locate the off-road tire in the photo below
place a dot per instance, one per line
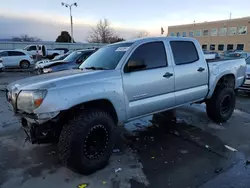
(74, 135)
(24, 64)
(214, 108)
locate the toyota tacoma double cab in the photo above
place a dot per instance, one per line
(81, 108)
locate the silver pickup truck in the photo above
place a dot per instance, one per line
(121, 82)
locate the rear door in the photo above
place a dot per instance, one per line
(191, 72)
(150, 87)
(16, 57)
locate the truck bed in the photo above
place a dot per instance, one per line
(218, 60)
(219, 67)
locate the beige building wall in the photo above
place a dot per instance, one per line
(208, 40)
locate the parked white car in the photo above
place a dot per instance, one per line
(16, 58)
(1, 65)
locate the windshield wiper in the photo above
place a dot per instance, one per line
(96, 68)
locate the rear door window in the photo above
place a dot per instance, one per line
(184, 52)
(16, 53)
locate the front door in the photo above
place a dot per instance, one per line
(148, 80)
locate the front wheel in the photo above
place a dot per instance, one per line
(24, 64)
(86, 142)
(39, 71)
(221, 106)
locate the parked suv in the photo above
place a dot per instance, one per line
(16, 58)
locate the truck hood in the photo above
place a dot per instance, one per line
(61, 79)
(47, 64)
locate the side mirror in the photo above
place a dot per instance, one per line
(135, 65)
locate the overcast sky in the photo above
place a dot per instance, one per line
(46, 18)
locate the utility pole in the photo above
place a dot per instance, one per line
(71, 19)
(230, 17)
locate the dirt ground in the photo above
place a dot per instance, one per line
(179, 149)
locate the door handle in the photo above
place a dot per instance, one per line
(168, 75)
(201, 69)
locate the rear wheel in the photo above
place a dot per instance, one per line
(221, 106)
(24, 64)
(86, 142)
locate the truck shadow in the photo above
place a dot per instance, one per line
(176, 154)
(172, 153)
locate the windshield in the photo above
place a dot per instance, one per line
(59, 57)
(107, 57)
(26, 47)
(73, 56)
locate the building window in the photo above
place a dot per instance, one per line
(242, 30)
(205, 33)
(172, 34)
(197, 33)
(240, 46)
(223, 31)
(191, 33)
(230, 47)
(184, 34)
(178, 34)
(214, 32)
(232, 31)
(204, 46)
(212, 46)
(221, 47)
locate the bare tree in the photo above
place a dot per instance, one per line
(102, 33)
(25, 38)
(142, 34)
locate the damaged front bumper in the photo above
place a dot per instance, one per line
(41, 129)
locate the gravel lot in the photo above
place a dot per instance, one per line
(183, 151)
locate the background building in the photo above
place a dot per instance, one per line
(217, 35)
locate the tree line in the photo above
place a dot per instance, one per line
(101, 33)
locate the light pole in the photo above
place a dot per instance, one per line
(71, 20)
